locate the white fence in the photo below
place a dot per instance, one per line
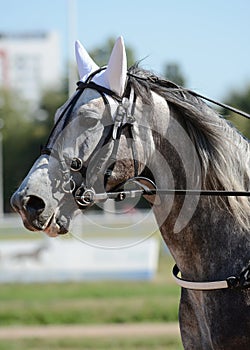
(100, 247)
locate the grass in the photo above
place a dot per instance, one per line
(88, 311)
(91, 302)
(128, 343)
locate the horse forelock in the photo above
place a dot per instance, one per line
(223, 152)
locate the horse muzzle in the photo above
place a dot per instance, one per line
(35, 215)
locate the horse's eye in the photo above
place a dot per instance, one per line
(76, 164)
(90, 122)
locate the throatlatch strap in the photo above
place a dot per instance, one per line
(197, 285)
(233, 282)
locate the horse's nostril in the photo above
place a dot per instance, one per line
(35, 204)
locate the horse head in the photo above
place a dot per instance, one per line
(89, 148)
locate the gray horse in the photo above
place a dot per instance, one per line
(123, 125)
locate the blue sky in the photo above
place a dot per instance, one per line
(209, 39)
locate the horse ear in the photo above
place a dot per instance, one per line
(85, 64)
(114, 77)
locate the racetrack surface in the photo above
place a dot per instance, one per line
(107, 330)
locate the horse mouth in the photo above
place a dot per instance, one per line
(53, 227)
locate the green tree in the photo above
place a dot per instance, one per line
(23, 134)
(17, 132)
(240, 100)
(173, 72)
(50, 102)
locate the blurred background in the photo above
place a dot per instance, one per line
(203, 46)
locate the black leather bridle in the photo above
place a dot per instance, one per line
(85, 197)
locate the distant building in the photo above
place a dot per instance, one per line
(30, 63)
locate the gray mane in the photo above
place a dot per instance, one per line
(224, 153)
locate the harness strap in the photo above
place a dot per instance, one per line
(175, 87)
(223, 105)
(197, 285)
(67, 111)
(131, 121)
(233, 282)
(124, 116)
(200, 193)
(91, 85)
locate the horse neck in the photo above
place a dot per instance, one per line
(203, 238)
(212, 245)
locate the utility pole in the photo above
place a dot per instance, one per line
(1, 171)
(72, 29)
